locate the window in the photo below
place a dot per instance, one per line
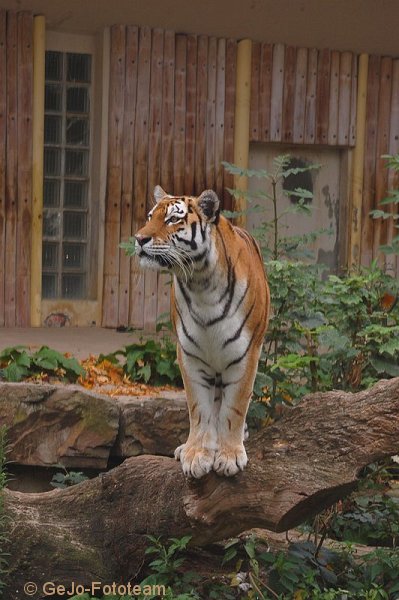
(66, 175)
(302, 180)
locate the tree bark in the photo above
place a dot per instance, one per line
(96, 531)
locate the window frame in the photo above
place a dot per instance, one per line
(88, 312)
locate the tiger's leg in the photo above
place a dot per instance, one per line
(198, 453)
(238, 381)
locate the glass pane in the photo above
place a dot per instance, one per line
(53, 97)
(51, 223)
(66, 169)
(78, 67)
(49, 286)
(77, 132)
(51, 196)
(75, 225)
(50, 256)
(76, 162)
(73, 286)
(73, 256)
(52, 161)
(54, 66)
(77, 99)
(75, 194)
(52, 130)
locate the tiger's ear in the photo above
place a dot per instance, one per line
(159, 193)
(209, 206)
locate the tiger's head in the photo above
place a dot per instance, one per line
(177, 233)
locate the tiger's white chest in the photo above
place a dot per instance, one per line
(204, 334)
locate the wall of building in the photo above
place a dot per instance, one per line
(382, 137)
(16, 77)
(171, 122)
(303, 95)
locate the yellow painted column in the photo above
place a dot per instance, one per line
(39, 40)
(241, 122)
(355, 223)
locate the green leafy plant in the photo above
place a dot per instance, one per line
(129, 247)
(326, 331)
(336, 335)
(370, 515)
(307, 570)
(369, 519)
(18, 362)
(275, 244)
(166, 568)
(67, 479)
(391, 202)
(150, 361)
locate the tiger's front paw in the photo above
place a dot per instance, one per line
(228, 461)
(196, 462)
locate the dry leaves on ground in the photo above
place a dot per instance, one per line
(107, 378)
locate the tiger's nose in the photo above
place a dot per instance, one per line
(142, 239)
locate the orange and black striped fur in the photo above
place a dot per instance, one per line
(220, 308)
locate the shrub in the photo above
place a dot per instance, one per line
(18, 362)
(326, 331)
(150, 361)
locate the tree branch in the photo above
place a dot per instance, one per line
(305, 462)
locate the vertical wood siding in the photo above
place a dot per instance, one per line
(16, 76)
(308, 96)
(382, 137)
(302, 96)
(171, 122)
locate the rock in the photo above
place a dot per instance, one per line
(68, 425)
(48, 424)
(151, 425)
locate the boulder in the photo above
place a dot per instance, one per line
(48, 424)
(150, 425)
(52, 424)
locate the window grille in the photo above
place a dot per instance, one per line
(66, 175)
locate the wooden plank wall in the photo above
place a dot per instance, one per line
(382, 137)
(16, 77)
(171, 122)
(308, 96)
(303, 96)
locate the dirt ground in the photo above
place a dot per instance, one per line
(81, 342)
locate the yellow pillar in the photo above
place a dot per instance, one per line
(355, 222)
(39, 38)
(241, 123)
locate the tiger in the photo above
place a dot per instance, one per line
(220, 303)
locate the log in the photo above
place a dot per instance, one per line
(95, 531)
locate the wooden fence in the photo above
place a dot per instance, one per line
(171, 122)
(16, 77)
(303, 96)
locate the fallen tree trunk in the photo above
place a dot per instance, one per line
(305, 462)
